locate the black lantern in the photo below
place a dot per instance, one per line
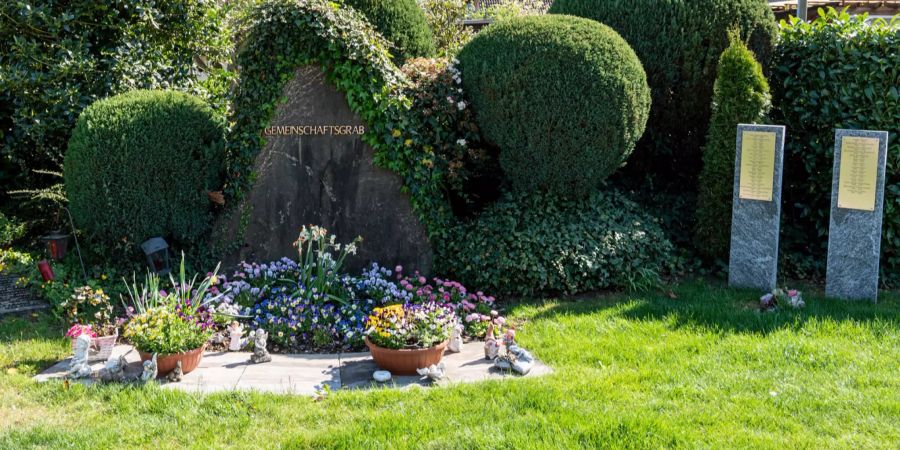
(157, 251)
(57, 244)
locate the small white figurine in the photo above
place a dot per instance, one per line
(523, 362)
(236, 334)
(434, 371)
(150, 370)
(381, 376)
(79, 367)
(456, 341)
(114, 370)
(491, 346)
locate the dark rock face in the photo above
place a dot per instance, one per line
(326, 176)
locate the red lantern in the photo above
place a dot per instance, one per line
(46, 270)
(57, 244)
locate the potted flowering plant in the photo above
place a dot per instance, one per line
(406, 337)
(174, 325)
(90, 312)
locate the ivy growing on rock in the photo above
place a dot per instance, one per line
(287, 34)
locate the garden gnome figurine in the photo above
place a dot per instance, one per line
(491, 346)
(260, 354)
(114, 371)
(175, 375)
(79, 367)
(236, 333)
(150, 371)
(456, 341)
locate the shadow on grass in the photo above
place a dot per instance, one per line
(715, 307)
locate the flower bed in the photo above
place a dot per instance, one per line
(311, 305)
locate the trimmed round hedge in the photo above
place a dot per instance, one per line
(140, 164)
(564, 98)
(401, 22)
(529, 244)
(679, 43)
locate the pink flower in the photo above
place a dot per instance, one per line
(494, 313)
(398, 269)
(792, 293)
(422, 280)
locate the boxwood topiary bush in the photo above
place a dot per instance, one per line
(741, 96)
(140, 165)
(837, 72)
(527, 244)
(402, 22)
(679, 43)
(564, 98)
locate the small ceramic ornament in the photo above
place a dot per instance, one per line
(381, 376)
(175, 375)
(150, 370)
(236, 334)
(260, 353)
(79, 367)
(435, 372)
(523, 360)
(114, 370)
(491, 346)
(456, 341)
(509, 338)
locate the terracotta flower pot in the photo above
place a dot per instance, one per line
(101, 347)
(406, 361)
(166, 363)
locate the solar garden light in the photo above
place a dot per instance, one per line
(157, 251)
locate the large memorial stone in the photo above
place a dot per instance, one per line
(756, 207)
(316, 170)
(857, 202)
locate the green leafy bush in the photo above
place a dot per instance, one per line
(538, 243)
(564, 98)
(10, 230)
(59, 57)
(445, 18)
(141, 164)
(679, 43)
(837, 72)
(447, 123)
(741, 95)
(402, 22)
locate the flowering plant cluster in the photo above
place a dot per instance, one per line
(78, 329)
(290, 302)
(88, 306)
(778, 296)
(411, 325)
(448, 122)
(174, 320)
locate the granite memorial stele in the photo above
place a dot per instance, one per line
(315, 169)
(857, 203)
(756, 207)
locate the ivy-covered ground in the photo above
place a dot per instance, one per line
(704, 369)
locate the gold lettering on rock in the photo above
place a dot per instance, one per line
(314, 130)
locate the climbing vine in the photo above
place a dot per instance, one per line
(287, 34)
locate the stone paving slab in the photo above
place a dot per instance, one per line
(303, 374)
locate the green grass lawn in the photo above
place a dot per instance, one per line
(635, 371)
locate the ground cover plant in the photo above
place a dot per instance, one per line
(705, 369)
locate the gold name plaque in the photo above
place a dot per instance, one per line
(858, 173)
(757, 165)
(314, 130)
